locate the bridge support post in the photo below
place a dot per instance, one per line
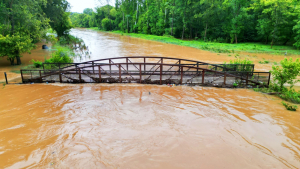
(93, 68)
(22, 76)
(120, 75)
(224, 79)
(6, 77)
(197, 67)
(99, 74)
(203, 73)
(79, 75)
(41, 77)
(140, 73)
(247, 79)
(60, 79)
(109, 67)
(161, 69)
(269, 79)
(145, 64)
(127, 64)
(181, 79)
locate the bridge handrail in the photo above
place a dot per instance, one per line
(161, 64)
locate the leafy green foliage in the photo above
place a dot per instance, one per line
(14, 45)
(290, 107)
(105, 24)
(224, 21)
(37, 63)
(56, 10)
(287, 74)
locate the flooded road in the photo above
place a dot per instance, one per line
(144, 126)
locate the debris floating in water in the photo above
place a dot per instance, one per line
(149, 93)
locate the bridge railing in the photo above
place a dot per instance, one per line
(150, 73)
(152, 59)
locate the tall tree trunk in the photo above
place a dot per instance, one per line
(272, 42)
(172, 23)
(235, 38)
(205, 32)
(12, 61)
(191, 29)
(123, 21)
(127, 25)
(172, 18)
(18, 60)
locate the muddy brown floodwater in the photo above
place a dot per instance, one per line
(125, 126)
(136, 126)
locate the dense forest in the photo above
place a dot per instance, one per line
(25, 22)
(224, 21)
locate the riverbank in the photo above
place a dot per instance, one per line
(250, 47)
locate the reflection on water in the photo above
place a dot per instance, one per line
(141, 126)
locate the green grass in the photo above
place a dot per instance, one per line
(215, 46)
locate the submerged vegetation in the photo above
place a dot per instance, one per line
(285, 75)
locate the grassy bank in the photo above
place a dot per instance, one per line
(216, 46)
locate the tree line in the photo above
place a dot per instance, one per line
(25, 22)
(225, 21)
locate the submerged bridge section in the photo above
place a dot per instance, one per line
(149, 70)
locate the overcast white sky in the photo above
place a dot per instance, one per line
(80, 5)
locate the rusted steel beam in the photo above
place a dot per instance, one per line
(99, 74)
(22, 76)
(140, 73)
(79, 75)
(110, 67)
(60, 78)
(269, 78)
(127, 64)
(181, 79)
(203, 73)
(144, 64)
(93, 67)
(120, 75)
(40, 76)
(161, 67)
(247, 79)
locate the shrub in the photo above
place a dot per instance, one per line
(37, 63)
(287, 73)
(290, 107)
(105, 24)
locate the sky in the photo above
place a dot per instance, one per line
(80, 5)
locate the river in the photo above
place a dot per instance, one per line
(144, 126)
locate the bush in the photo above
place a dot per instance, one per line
(286, 74)
(290, 107)
(290, 95)
(105, 24)
(37, 63)
(62, 55)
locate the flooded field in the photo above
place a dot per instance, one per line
(143, 126)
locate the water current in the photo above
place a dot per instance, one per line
(136, 126)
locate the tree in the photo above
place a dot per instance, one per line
(22, 22)
(60, 21)
(88, 11)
